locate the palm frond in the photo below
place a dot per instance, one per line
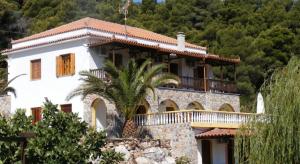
(127, 87)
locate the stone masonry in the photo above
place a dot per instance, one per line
(209, 100)
(181, 136)
(5, 105)
(142, 151)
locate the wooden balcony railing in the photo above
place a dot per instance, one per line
(197, 118)
(212, 85)
(190, 83)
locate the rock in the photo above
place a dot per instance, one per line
(143, 160)
(122, 149)
(154, 153)
(110, 145)
(168, 160)
(145, 145)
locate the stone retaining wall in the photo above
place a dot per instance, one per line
(181, 136)
(142, 151)
(5, 104)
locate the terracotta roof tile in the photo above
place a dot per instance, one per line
(184, 53)
(215, 133)
(106, 27)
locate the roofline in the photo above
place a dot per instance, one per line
(25, 40)
(156, 47)
(111, 40)
(8, 51)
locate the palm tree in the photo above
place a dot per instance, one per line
(4, 84)
(127, 87)
(5, 88)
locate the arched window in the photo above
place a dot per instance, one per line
(195, 105)
(226, 107)
(167, 106)
(143, 107)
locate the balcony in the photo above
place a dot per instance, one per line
(190, 83)
(211, 85)
(196, 118)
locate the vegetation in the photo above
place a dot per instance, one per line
(183, 160)
(127, 87)
(5, 88)
(277, 139)
(60, 138)
(263, 33)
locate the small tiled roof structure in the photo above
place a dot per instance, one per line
(105, 26)
(217, 133)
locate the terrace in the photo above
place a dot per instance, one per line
(196, 118)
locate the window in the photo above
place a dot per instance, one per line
(65, 65)
(35, 66)
(67, 108)
(36, 114)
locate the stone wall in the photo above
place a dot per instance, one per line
(181, 136)
(142, 151)
(5, 104)
(209, 100)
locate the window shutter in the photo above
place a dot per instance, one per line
(35, 69)
(67, 108)
(58, 66)
(72, 64)
(36, 114)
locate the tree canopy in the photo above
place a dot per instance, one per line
(263, 33)
(275, 137)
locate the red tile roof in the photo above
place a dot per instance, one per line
(105, 26)
(215, 133)
(159, 49)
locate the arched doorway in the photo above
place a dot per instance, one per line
(99, 114)
(167, 106)
(195, 106)
(226, 108)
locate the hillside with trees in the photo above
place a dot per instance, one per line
(263, 33)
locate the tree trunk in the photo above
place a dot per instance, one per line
(129, 129)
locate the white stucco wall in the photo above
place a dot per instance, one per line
(32, 93)
(199, 152)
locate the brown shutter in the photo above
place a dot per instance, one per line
(35, 69)
(72, 64)
(67, 108)
(36, 114)
(58, 66)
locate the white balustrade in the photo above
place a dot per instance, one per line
(192, 116)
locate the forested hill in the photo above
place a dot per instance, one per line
(264, 33)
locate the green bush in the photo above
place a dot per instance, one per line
(60, 138)
(183, 160)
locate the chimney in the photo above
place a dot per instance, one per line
(180, 41)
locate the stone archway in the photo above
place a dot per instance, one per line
(226, 108)
(168, 106)
(99, 112)
(143, 108)
(195, 105)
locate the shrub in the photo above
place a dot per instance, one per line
(183, 160)
(60, 138)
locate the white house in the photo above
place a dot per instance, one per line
(53, 59)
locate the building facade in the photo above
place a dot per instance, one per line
(52, 60)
